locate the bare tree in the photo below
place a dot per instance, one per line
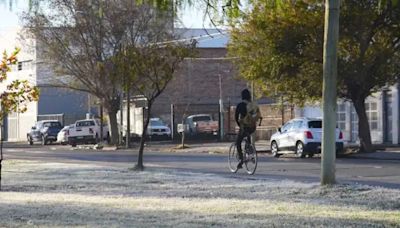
(79, 38)
(152, 67)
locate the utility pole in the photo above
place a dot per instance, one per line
(121, 117)
(128, 117)
(331, 36)
(221, 110)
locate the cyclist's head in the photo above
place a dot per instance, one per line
(246, 95)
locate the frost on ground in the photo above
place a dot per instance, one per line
(59, 195)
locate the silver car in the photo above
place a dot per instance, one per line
(301, 136)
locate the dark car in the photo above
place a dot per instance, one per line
(44, 131)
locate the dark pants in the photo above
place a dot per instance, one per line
(243, 132)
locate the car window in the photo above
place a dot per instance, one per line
(156, 123)
(315, 124)
(51, 124)
(201, 118)
(85, 123)
(297, 125)
(286, 127)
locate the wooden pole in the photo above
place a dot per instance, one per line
(331, 37)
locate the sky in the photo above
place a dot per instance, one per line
(191, 18)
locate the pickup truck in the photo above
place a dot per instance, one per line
(201, 124)
(86, 131)
(44, 131)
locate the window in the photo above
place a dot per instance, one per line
(372, 113)
(51, 124)
(287, 126)
(24, 65)
(201, 118)
(297, 125)
(85, 123)
(354, 125)
(341, 116)
(315, 124)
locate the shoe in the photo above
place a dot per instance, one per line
(240, 165)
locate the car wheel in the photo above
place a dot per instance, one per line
(300, 150)
(44, 142)
(275, 149)
(30, 140)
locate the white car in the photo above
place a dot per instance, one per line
(87, 131)
(62, 136)
(303, 137)
(157, 128)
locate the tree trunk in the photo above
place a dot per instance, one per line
(112, 118)
(331, 37)
(140, 165)
(364, 132)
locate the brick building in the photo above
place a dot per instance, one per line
(202, 81)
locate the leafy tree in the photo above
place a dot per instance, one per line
(280, 46)
(16, 93)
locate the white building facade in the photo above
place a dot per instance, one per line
(70, 104)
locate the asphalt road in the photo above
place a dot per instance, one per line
(384, 173)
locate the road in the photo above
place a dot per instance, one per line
(384, 173)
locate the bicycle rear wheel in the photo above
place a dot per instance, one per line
(251, 159)
(233, 158)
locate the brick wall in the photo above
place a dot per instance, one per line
(197, 83)
(273, 116)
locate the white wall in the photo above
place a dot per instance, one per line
(20, 122)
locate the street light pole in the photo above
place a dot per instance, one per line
(221, 110)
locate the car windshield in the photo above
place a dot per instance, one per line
(201, 118)
(85, 123)
(315, 124)
(51, 124)
(156, 123)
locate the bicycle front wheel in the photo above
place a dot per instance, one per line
(251, 159)
(233, 158)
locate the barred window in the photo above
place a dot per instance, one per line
(372, 113)
(341, 116)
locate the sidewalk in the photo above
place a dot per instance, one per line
(385, 154)
(198, 147)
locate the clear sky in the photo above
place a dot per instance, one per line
(191, 18)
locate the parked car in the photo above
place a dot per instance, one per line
(87, 131)
(44, 131)
(62, 136)
(201, 124)
(157, 128)
(301, 136)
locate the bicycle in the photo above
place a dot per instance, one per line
(249, 157)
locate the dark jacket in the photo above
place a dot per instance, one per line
(241, 111)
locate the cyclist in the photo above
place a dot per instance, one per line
(247, 114)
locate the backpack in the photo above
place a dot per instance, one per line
(252, 116)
